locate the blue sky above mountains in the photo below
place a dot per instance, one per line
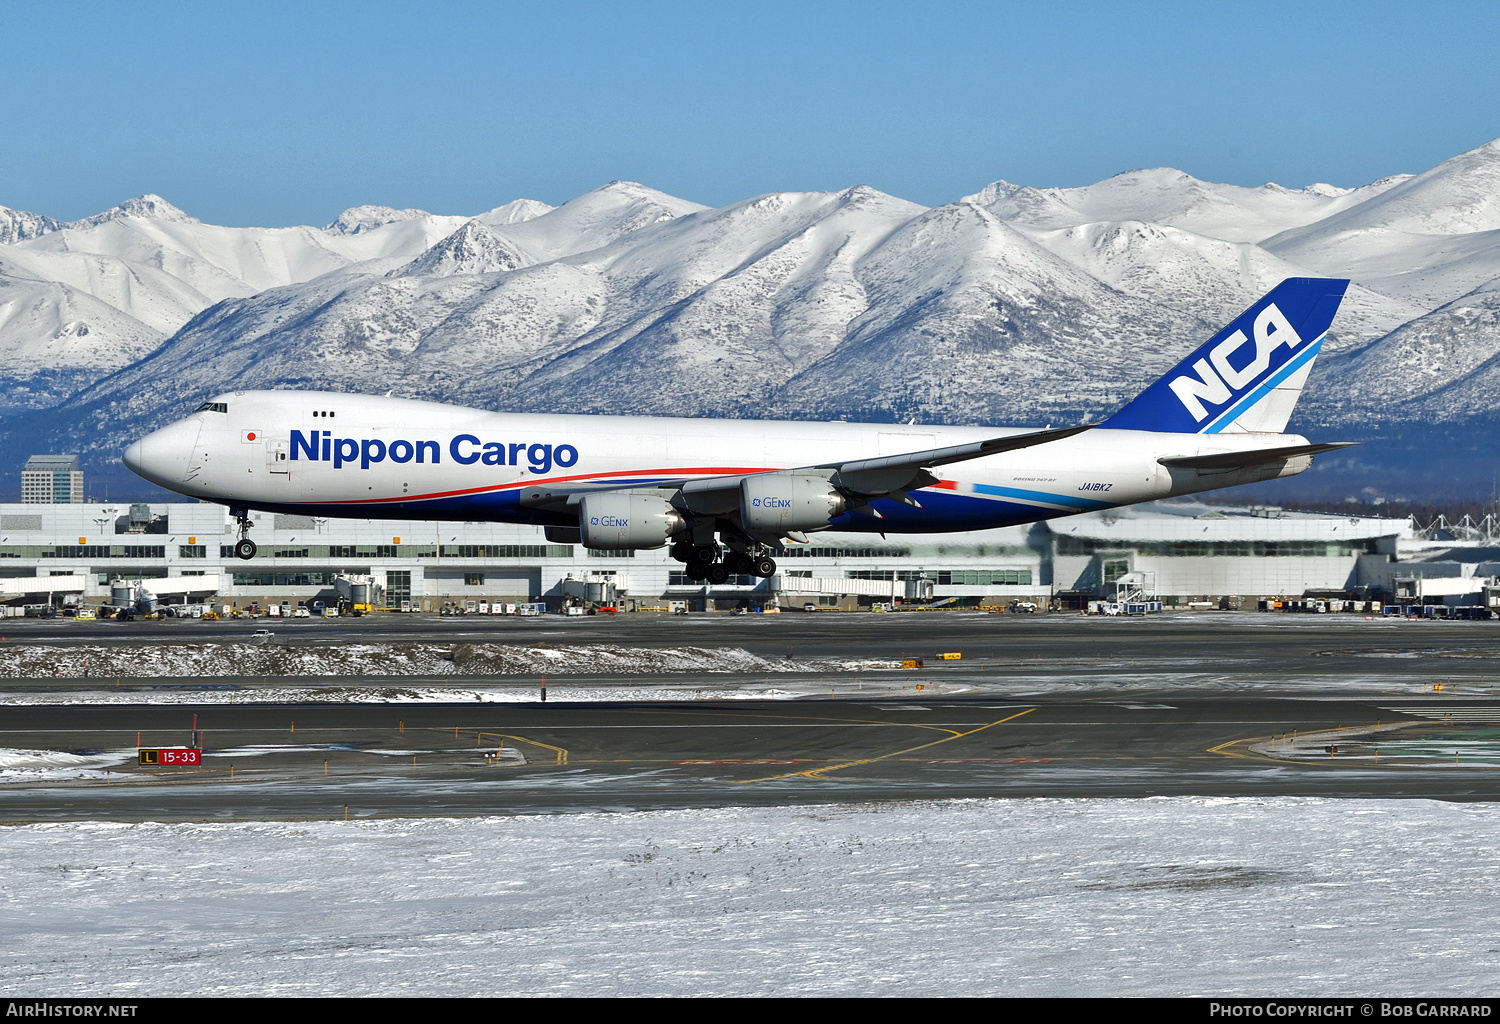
(272, 113)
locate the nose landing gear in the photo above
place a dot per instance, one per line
(244, 547)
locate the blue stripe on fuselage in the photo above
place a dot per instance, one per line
(1068, 500)
(942, 511)
(945, 511)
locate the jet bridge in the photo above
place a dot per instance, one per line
(15, 588)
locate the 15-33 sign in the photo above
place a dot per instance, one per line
(171, 756)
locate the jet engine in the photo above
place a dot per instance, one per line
(780, 502)
(616, 520)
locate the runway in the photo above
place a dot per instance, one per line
(1282, 651)
(1052, 705)
(314, 761)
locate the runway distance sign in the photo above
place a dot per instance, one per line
(173, 756)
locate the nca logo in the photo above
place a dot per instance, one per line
(1218, 379)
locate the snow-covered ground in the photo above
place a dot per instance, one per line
(982, 897)
(47, 765)
(219, 660)
(510, 693)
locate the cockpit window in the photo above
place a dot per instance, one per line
(213, 407)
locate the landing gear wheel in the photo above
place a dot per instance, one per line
(696, 571)
(245, 547)
(764, 567)
(682, 551)
(718, 574)
(740, 563)
(705, 556)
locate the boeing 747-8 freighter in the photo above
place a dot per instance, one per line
(704, 486)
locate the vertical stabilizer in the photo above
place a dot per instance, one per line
(1247, 377)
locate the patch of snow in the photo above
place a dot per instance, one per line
(17, 765)
(1042, 897)
(244, 660)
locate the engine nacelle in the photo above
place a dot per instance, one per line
(779, 502)
(616, 520)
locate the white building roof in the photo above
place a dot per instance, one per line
(1193, 522)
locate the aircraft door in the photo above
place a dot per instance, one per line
(278, 459)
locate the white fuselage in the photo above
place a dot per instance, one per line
(359, 456)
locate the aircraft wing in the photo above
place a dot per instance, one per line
(900, 472)
(1254, 457)
(886, 475)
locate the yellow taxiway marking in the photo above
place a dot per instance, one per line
(818, 773)
(798, 719)
(1307, 738)
(1315, 739)
(561, 752)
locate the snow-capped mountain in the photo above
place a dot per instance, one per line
(1213, 278)
(472, 249)
(1444, 365)
(1431, 238)
(1013, 305)
(82, 299)
(359, 219)
(513, 212)
(967, 312)
(18, 225)
(1162, 195)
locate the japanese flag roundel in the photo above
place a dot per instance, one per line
(251, 436)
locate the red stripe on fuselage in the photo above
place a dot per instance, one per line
(709, 471)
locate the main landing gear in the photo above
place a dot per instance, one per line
(244, 547)
(706, 563)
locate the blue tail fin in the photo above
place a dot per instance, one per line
(1248, 376)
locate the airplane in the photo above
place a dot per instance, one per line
(727, 495)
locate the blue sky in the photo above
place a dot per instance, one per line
(272, 114)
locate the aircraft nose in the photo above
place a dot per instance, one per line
(163, 456)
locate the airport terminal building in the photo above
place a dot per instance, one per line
(1197, 553)
(183, 551)
(1177, 552)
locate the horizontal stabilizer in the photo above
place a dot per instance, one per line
(1255, 457)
